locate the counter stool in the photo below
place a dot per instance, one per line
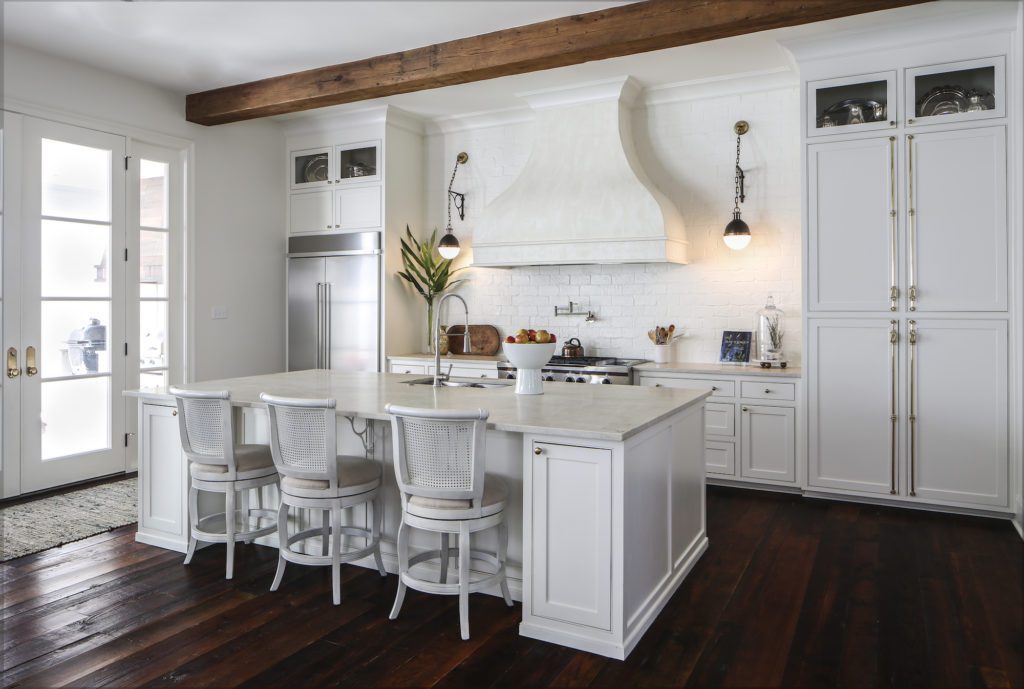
(439, 464)
(217, 465)
(303, 440)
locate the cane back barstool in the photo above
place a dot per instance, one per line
(439, 464)
(217, 465)
(303, 440)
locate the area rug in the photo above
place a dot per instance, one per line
(49, 522)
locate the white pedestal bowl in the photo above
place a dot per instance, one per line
(528, 360)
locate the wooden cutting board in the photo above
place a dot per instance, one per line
(483, 338)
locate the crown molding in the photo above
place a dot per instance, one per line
(727, 85)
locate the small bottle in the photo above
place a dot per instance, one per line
(442, 341)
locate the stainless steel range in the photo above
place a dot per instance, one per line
(601, 370)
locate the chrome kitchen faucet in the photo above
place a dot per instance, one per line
(467, 347)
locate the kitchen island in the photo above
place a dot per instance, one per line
(606, 483)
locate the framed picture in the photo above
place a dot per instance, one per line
(736, 346)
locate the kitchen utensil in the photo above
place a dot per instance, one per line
(978, 100)
(484, 339)
(671, 329)
(316, 169)
(942, 100)
(653, 337)
(572, 348)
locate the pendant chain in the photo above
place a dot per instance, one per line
(736, 198)
(450, 183)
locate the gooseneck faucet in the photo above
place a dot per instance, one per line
(467, 347)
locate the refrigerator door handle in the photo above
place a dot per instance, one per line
(319, 324)
(327, 320)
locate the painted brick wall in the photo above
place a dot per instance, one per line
(688, 149)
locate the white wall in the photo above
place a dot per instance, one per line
(238, 204)
(688, 148)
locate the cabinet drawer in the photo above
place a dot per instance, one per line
(471, 371)
(750, 389)
(720, 419)
(718, 388)
(720, 457)
(400, 367)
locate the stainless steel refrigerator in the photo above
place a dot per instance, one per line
(334, 302)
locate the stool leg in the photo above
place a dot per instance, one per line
(336, 554)
(464, 556)
(502, 556)
(378, 516)
(229, 521)
(403, 567)
(193, 519)
(326, 521)
(282, 544)
(444, 558)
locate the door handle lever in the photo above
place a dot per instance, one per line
(13, 370)
(30, 361)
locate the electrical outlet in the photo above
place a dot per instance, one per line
(219, 313)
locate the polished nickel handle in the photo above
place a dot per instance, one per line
(13, 370)
(894, 290)
(327, 325)
(912, 221)
(30, 361)
(319, 324)
(537, 451)
(912, 415)
(894, 338)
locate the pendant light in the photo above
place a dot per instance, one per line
(448, 247)
(737, 232)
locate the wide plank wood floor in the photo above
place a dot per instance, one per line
(791, 593)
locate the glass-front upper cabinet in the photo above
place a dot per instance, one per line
(311, 168)
(357, 162)
(968, 90)
(851, 104)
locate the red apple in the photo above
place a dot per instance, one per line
(511, 339)
(552, 338)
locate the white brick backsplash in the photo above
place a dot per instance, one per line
(687, 149)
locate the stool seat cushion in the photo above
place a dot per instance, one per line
(355, 475)
(251, 461)
(492, 502)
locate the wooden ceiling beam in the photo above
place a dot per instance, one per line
(624, 30)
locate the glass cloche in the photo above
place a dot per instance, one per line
(770, 333)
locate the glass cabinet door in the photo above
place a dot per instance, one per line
(358, 162)
(848, 104)
(310, 168)
(955, 91)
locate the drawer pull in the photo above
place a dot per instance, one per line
(746, 409)
(657, 385)
(714, 388)
(767, 391)
(537, 451)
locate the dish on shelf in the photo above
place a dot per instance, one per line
(315, 169)
(943, 100)
(852, 111)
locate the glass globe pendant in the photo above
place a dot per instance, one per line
(737, 232)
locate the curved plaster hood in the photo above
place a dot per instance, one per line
(583, 196)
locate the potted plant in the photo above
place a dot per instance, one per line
(427, 272)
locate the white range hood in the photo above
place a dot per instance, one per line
(583, 196)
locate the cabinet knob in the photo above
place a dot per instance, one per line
(767, 391)
(714, 388)
(537, 451)
(337, 225)
(657, 385)
(746, 409)
(483, 375)
(330, 181)
(174, 413)
(408, 371)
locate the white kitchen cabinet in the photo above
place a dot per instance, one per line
(852, 402)
(460, 368)
(982, 83)
(572, 536)
(163, 479)
(851, 240)
(958, 411)
(768, 442)
(310, 212)
(357, 208)
(357, 162)
(825, 98)
(310, 168)
(957, 220)
(405, 367)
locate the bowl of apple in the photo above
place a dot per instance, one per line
(529, 351)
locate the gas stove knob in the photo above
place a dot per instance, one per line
(551, 378)
(581, 379)
(606, 381)
(570, 379)
(510, 376)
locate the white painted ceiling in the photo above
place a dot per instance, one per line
(193, 46)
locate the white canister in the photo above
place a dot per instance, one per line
(662, 353)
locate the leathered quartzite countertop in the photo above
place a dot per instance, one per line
(603, 412)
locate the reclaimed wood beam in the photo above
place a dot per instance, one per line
(624, 30)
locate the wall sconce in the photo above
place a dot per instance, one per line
(449, 244)
(737, 232)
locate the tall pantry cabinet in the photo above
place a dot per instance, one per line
(907, 268)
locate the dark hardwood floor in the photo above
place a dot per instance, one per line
(792, 593)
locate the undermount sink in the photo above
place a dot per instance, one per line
(462, 383)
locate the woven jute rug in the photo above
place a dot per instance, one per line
(49, 522)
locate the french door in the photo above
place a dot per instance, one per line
(66, 360)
